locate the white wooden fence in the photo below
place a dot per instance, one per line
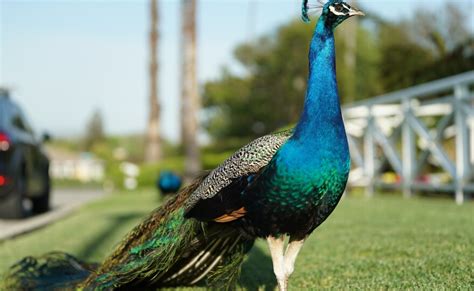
(417, 139)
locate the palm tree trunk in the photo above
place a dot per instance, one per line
(153, 148)
(189, 91)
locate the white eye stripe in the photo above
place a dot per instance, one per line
(333, 10)
(345, 6)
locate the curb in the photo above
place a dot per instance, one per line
(38, 222)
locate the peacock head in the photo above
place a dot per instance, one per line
(334, 12)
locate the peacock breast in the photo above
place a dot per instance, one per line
(311, 180)
(297, 192)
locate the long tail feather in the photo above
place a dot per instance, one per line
(166, 249)
(179, 252)
(52, 271)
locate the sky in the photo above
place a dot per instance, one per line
(63, 59)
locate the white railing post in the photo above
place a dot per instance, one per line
(462, 142)
(408, 149)
(369, 155)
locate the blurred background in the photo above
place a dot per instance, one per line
(80, 71)
(123, 97)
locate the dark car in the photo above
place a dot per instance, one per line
(24, 167)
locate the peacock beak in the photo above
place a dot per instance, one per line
(354, 11)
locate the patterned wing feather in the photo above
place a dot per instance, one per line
(247, 160)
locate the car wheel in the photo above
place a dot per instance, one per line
(13, 207)
(41, 204)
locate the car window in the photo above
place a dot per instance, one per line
(26, 123)
(18, 120)
(18, 123)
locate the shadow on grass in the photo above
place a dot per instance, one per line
(102, 238)
(257, 271)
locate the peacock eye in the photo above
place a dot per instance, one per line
(338, 7)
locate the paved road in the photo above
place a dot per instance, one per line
(63, 203)
(74, 196)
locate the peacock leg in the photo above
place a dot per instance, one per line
(276, 245)
(294, 247)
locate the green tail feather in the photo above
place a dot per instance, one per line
(166, 249)
(52, 271)
(150, 259)
(225, 276)
(181, 252)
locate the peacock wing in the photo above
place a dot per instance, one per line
(219, 193)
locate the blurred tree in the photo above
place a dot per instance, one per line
(226, 102)
(400, 56)
(94, 131)
(449, 38)
(190, 103)
(429, 46)
(367, 76)
(152, 146)
(459, 60)
(441, 32)
(358, 69)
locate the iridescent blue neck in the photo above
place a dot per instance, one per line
(322, 107)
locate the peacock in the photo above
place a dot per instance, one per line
(168, 183)
(280, 185)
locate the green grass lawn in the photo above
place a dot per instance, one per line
(383, 243)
